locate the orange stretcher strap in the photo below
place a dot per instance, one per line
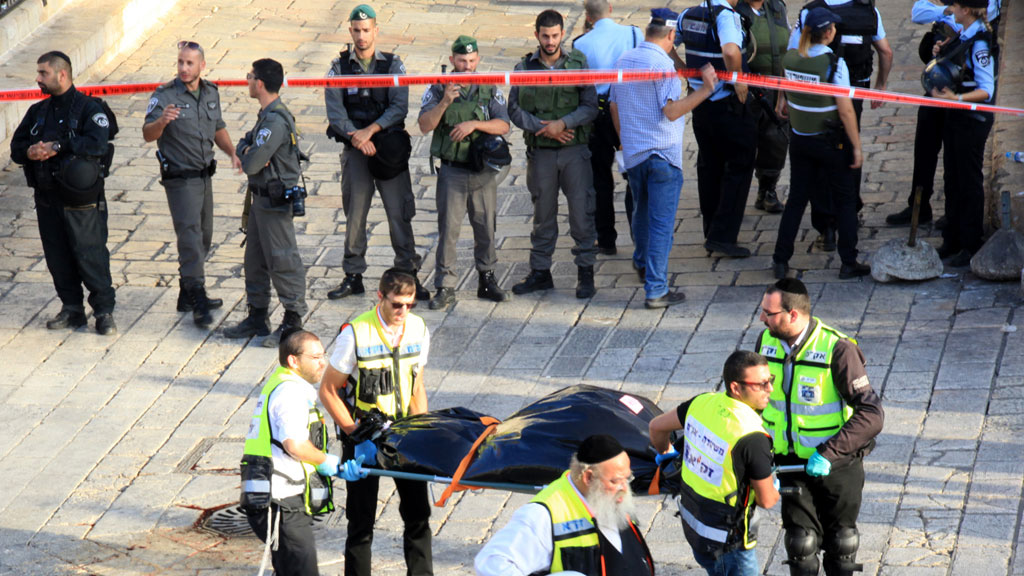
(654, 489)
(492, 425)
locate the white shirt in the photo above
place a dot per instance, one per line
(343, 357)
(288, 413)
(524, 545)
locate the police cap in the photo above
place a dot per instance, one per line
(362, 12)
(465, 45)
(821, 17)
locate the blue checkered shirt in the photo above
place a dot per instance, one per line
(644, 128)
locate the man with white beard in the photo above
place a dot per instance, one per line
(555, 533)
(727, 465)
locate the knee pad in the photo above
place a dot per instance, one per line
(802, 549)
(841, 552)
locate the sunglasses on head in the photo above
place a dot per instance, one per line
(189, 44)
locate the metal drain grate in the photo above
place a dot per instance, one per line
(231, 521)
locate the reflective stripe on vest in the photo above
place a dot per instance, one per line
(717, 509)
(553, 102)
(374, 354)
(810, 113)
(572, 524)
(806, 410)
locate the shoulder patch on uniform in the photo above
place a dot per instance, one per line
(860, 383)
(983, 57)
(101, 120)
(499, 96)
(152, 104)
(401, 67)
(427, 97)
(330, 73)
(737, 20)
(211, 105)
(262, 135)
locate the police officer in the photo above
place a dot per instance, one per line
(370, 122)
(859, 33)
(770, 30)
(359, 380)
(603, 44)
(965, 131)
(270, 157)
(60, 143)
(725, 125)
(556, 123)
(726, 466)
(822, 414)
(824, 149)
(184, 117)
(286, 469)
(459, 116)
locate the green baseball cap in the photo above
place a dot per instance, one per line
(362, 12)
(465, 45)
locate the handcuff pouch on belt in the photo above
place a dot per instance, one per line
(375, 382)
(835, 133)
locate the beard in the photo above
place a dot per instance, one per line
(608, 512)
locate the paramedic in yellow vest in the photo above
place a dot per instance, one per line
(377, 363)
(580, 525)
(459, 115)
(287, 425)
(727, 465)
(823, 415)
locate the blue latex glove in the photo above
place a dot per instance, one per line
(352, 470)
(329, 467)
(670, 455)
(818, 465)
(366, 450)
(775, 483)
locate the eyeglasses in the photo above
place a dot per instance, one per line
(770, 314)
(251, 76)
(622, 481)
(190, 45)
(401, 305)
(760, 385)
(315, 357)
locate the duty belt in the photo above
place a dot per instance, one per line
(185, 174)
(453, 164)
(259, 191)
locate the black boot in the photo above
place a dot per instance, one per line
(422, 294)
(767, 198)
(537, 280)
(291, 321)
(488, 288)
(255, 324)
(445, 297)
(200, 306)
(585, 282)
(352, 284)
(185, 303)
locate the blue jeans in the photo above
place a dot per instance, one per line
(736, 563)
(656, 185)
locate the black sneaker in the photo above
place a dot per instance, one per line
(105, 324)
(444, 298)
(488, 288)
(608, 250)
(780, 270)
(255, 324)
(855, 270)
(669, 299)
(352, 284)
(536, 280)
(961, 259)
(731, 250)
(67, 319)
(585, 282)
(422, 294)
(902, 218)
(768, 201)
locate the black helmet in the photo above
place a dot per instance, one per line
(79, 178)
(489, 151)
(938, 74)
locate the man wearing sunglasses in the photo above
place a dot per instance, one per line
(184, 117)
(377, 364)
(823, 415)
(726, 465)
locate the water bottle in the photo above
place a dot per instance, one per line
(1016, 156)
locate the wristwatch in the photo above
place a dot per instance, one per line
(56, 147)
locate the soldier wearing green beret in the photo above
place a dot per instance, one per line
(459, 116)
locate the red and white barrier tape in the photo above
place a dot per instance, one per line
(552, 78)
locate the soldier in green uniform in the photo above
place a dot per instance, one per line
(770, 29)
(184, 117)
(270, 157)
(458, 116)
(556, 123)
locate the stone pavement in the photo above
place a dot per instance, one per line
(117, 446)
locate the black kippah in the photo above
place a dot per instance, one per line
(598, 448)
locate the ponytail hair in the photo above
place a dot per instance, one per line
(810, 36)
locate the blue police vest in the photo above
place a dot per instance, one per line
(698, 30)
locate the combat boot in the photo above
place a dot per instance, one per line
(536, 280)
(488, 288)
(585, 282)
(291, 321)
(767, 198)
(185, 302)
(352, 284)
(200, 306)
(255, 324)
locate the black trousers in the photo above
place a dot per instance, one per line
(726, 133)
(963, 160)
(820, 174)
(361, 511)
(824, 505)
(927, 144)
(75, 247)
(603, 143)
(296, 546)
